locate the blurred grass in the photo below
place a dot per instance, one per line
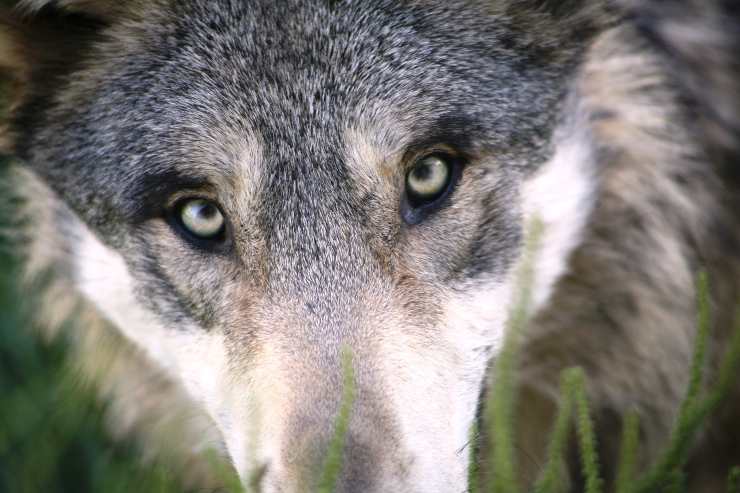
(666, 474)
(52, 428)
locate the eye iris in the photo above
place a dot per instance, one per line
(202, 218)
(428, 178)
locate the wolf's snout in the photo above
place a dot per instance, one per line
(403, 425)
(369, 447)
(304, 463)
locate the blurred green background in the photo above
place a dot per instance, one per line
(52, 429)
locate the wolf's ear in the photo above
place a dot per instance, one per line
(100, 9)
(40, 42)
(559, 21)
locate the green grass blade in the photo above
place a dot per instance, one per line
(628, 453)
(500, 405)
(551, 480)
(333, 462)
(700, 345)
(694, 416)
(585, 431)
(473, 468)
(728, 371)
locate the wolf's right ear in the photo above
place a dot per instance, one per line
(40, 42)
(559, 21)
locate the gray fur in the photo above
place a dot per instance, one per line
(301, 118)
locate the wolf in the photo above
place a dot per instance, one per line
(232, 194)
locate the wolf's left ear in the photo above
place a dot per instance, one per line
(40, 42)
(100, 9)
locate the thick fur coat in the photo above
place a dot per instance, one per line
(615, 123)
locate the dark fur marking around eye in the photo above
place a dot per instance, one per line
(453, 138)
(151, 192)
(456, 132)
(220, 243)
(414, 212)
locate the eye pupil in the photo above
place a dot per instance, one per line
(422, 171)
(208, 211)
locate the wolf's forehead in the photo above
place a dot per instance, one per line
(298, 80)
(302, 71)
(297, 59)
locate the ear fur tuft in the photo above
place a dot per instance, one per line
(100, 9)
(559, 23)
(40, 42)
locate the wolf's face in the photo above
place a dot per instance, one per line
(257, 185)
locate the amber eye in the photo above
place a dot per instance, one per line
(428, 180)
(201, 218)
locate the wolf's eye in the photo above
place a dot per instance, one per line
(201, 218)
(428, 179)
(428, 183)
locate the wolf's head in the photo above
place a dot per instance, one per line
(252, 186)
